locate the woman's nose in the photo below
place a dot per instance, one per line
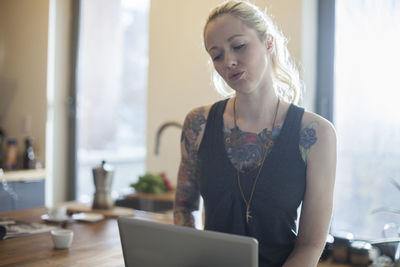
(230, 61)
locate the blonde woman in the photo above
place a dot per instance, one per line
(256, 156)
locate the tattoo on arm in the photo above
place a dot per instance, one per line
(194, 123)
(187, 194)
(308, 137)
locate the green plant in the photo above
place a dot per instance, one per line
(150, 183)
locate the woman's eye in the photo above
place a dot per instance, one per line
(238, 47)
(216, 58)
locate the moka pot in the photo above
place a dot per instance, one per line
(103, 176)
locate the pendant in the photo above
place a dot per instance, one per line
(248, 216)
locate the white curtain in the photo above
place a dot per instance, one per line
(367, 115)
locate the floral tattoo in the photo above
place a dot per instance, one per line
(251, 146)
(191, 129)
(308, 137)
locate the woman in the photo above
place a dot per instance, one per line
(256, 156)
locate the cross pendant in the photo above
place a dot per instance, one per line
(248, 216)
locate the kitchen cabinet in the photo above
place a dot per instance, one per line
(22, 189)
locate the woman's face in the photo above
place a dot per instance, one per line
(238, 55)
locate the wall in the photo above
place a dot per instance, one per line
(34, 75)
(58, 85)
(23, 59)
(179, 76)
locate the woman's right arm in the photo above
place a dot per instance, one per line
(187, 194)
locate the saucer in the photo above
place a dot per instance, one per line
(87, 217)
(48, 218)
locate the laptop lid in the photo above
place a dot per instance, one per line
(151, 244)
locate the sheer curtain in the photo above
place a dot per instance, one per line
(367, 115)
(112, 83)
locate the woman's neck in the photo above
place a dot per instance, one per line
(255, 112)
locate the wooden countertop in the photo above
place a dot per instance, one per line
(23, 175)
(94, 244)
(168, 196)
(330, 264)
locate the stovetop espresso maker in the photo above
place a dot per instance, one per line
(103, 176)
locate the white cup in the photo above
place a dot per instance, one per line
(57, 213)
(62, 238)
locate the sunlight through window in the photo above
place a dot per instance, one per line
(366, 115)
(112, 83)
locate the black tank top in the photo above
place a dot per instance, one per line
(278, 193)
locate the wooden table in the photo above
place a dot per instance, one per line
(94, 244)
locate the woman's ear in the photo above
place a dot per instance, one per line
(269, 42)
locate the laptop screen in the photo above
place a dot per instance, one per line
(151, 244)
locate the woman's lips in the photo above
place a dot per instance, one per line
(236, 75)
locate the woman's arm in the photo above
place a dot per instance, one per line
(318, 147)
(187, 194)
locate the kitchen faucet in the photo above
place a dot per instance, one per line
(161, 129)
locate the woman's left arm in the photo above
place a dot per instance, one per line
(318, 148)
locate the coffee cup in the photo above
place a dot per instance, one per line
(62, 238)
(57, 213)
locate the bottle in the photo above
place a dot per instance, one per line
(29, 154)
(11, 155)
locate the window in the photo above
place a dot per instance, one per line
(366, 115)
(111, 91)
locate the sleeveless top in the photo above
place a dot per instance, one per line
(278, 193)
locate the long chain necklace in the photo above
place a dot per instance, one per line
(267, 148)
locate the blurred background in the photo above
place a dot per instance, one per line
(93, 80)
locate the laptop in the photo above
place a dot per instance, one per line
(150, 244)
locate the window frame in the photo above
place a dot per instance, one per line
(324, 100)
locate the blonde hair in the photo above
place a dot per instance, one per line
(285, 76)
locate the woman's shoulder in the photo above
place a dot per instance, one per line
(317, 135)
(317, 122)
(194, 126)
(198, 114)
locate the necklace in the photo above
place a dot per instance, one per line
(260, 165)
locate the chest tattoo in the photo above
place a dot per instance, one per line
(251, 146)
